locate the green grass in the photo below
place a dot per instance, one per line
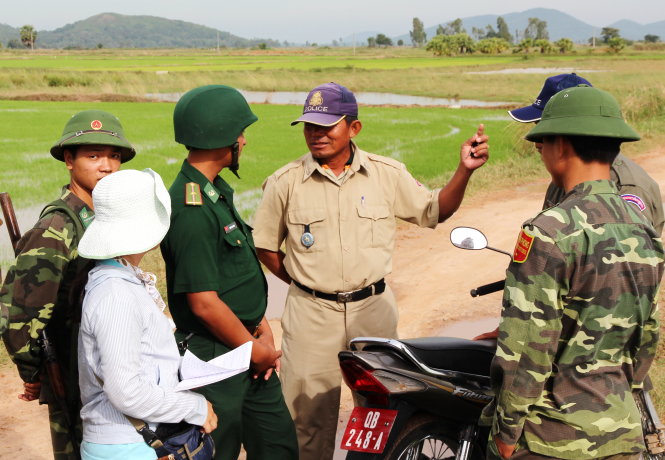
(109, 74)
(426, 139)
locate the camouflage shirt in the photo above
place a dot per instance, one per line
(578, 328)
(635, 186)
(37, 289)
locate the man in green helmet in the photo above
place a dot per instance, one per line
(42, 289)
(579, 324)
(216, 289)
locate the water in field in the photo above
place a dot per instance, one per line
(536, 70)
(366, 99)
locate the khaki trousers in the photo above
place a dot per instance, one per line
(314, 331)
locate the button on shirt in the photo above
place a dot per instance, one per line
(210, 248)
(351, 217)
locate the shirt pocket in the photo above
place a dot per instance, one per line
(298, 220)
(376, 226)
(236, 258)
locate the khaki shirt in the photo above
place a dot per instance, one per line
(635, 186)
(351, 217)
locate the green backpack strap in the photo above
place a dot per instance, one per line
(60, 205)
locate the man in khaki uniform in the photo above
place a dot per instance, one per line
(335, 210)
(634, 184)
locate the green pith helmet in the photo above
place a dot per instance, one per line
(211, 117)
(93, 127)
(582, 111)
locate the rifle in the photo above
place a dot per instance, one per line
(52, 366)
(10, 219)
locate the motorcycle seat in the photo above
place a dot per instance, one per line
(454, 354)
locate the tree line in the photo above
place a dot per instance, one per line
(452, 39)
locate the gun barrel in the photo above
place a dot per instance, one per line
(10, 218)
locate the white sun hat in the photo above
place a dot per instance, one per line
(132, 215)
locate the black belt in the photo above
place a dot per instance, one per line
(349, 296)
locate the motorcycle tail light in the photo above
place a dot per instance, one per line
(360, 379)
(396, 383)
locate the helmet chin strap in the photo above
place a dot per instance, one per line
(235, 165)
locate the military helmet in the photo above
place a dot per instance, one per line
(211, 117)
(93, 127)
(583, 111)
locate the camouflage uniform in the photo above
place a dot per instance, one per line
(578, 329)
(634, 185)
(42, 292)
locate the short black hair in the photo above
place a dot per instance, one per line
(593, 148)
(349, 119)
(72, 149)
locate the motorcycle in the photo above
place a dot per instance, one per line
(421, 399)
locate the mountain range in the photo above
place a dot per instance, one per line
(111, 30)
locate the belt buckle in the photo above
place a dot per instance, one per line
(344, 297)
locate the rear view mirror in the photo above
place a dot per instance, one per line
(468, 238)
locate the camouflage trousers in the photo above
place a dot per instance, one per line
(62, 439)
(66, 436)
(523, 453)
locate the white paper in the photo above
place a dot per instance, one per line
(197, 373)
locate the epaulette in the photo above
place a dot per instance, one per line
(385, 160)
(193, 194)
(289, 166)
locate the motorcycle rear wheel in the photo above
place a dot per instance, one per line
(426, 438)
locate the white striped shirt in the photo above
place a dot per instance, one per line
(126, 342)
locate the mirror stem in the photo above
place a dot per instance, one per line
(499, 250)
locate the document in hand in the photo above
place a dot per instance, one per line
(196, 373)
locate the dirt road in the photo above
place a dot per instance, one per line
(431, 280)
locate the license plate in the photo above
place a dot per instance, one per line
(368, 429)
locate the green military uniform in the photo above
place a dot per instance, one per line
(42, 291)
(210, 248)
(635, 186)
(578, 329)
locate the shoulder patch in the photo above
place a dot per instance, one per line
(193, 194)
(634, 199)
(522, 247)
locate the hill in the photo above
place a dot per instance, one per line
(559, 25)
(112, 30)
(8, 33)
(636, 31)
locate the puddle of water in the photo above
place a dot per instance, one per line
(537, 70)
(366, 99)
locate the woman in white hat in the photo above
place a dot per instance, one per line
(128, 357)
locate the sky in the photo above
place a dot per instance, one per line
(318, 21)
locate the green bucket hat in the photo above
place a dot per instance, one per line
(93, 127)
(582, 111)
(210, 117)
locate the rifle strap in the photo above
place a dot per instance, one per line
(149, 436)
(60, 205)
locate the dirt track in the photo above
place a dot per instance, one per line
(431, 280)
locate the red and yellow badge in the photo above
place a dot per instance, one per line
(523, 247)
(96, 125)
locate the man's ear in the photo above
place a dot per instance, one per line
(69, 158)
(354, 128)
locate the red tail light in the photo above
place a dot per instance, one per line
(360, 379)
